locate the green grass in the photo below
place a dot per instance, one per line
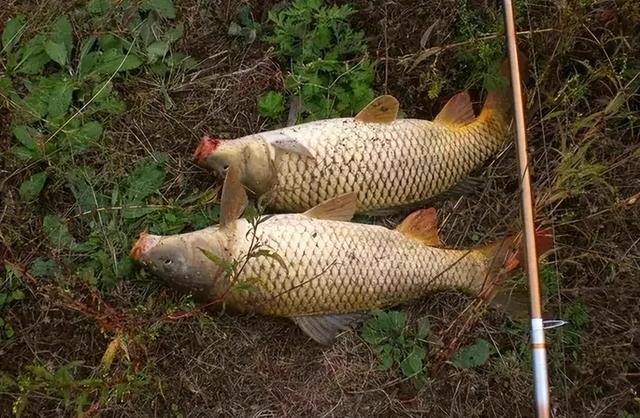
(324, 59)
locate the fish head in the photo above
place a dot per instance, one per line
(217, 155)
(181, 262)
(249, 154)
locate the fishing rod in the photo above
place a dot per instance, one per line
(538, 348)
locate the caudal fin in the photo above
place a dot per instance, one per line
(505, 256)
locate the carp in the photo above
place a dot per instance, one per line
(316, 267)
(389, 163)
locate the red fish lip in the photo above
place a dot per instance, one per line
(205, 148)
(144, 243)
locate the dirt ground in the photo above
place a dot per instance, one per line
(248, 366)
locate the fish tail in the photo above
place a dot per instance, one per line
(498, 104)
(503, 257)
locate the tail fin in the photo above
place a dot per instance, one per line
(508, 254)
(499, 99)
(504, 256)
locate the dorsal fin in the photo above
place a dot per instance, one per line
(383, 109)
(234, 198)
(421, 226)
(457, 112)
(341, 208)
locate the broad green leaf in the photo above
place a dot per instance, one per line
(110, 104)
(56, 51)
(60, 97)
(12, 32)
(205, 217)
(146, 180)
(42, 267)
(114, 60)
(88, 63)
(35, 104)
(58, 232)
(91, 131)
(23, 134)
(17, 295)
(473, 355)
(160, 68)
(31, 188)
(396, 320)
(9, 332)
(110, 41)
(33, 56)
(6, 87)
(149, 28)
(412, 365)
(62, 32)
(387, 361)
(86, 45)
(125, 267)
(164, 8)
(156, 50)
(234, 29)
(98, 6)
(424, 328)
(23, 153)
(175, 33)
(80, 182)
(84, 137)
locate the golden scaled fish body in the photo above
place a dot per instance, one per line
(316, 268)
(387, 162)
(325, 266)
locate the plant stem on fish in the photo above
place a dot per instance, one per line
(316, 267)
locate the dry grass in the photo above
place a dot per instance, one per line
(225, 365)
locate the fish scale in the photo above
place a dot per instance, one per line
(335, 267)
(404, 161)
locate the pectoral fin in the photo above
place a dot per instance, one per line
(457, 112)
(340, 208)
(324, 328)
(234, 198)
(383, 109)
(281, 140)
(421, 226)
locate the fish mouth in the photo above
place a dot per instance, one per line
(205, 148)
(144, 243)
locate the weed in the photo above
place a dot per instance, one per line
(60, 108)
(10, 293)
(77, 393)
(329, 70)
(271, 104)
(62, 93)
(479, 63)
(388, 335)
(473, 355)
(248, 29)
